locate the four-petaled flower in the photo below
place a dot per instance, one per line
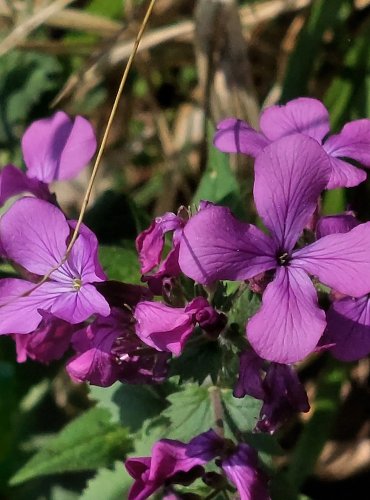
(290, 174)
(34, 235)
(306, 116)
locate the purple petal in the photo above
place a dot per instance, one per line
(289, 177)
(33, 233)
(83, 259)
(169, 458)
(343, 174)
(58, 148)
(162, 327)
(13, 181)
(48, 343)
(289, 323)
(76, 306)
(236, 136)
(349, 328)
(96, 359)
(340, 261)
(206, 446)
(241, 468)
(217, 246)
(250, 376)
(303, 115)
(284, 396)
(352, 142)
(20, 313)
(333, 224)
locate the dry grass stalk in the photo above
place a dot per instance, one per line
(22, 30)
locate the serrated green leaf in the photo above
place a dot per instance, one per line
(241, 414)
(103, 396)
(197, 362)
(88, 442)
(108, 484)
(136, 404)
(189, 413)
(244, 307)
(120, 263)
(128, 404)
(219, 183)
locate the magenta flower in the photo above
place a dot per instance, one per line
(108, 350)
(34, 235)
(150, 244)
(55, 148)
(168, 464)
(239, 463)
(47, 343)
(168, 328)
(306, 116)
(289, 176)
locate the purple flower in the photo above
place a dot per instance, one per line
(279, 388)
(249, 379)
(108, 350)
(47, 343)
(58, 148)
(149, 245)
(34, 235)
(348, 319)
(284, 396)
(349, 328)
(306, 116)
(241, 468)
(239, 463)
(168, 464)
(55, 148)
(289, 176)
(168, 328)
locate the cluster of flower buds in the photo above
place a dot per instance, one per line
(118, 331)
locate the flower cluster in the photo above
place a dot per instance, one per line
(62, 300)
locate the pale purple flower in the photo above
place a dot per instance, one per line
(168, 464)
(34, 235)
(239, 463)
(348, 319)
(47, 343)
(55, 148)
(310, 117)
(108, 350)
(168, 328)
(289, 177)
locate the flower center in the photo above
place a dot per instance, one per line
(76, 283)
(284, 259)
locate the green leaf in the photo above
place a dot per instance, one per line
(241, 414)
(244, 307)
(108, 484)
(120, 263)
(197, 362)
(189, 413)
(324, 15)
(136, 404)
(25, 79)
(88, 442)
(219, 183)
